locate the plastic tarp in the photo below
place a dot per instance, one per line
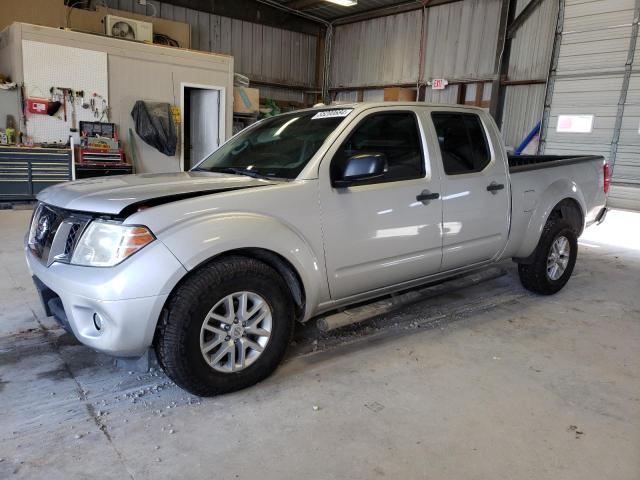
(155, 126)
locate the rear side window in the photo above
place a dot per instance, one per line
(462, 141)
(394, 134)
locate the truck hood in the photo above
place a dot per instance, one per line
(112, 195)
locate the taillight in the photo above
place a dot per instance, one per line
(605, 171)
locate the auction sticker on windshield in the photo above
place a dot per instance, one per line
(343, 112)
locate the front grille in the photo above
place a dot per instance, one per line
(54, 233)
(44, 226)
(72, 238)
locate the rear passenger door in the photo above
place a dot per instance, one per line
(475, 189)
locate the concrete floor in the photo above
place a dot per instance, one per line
(489, 382)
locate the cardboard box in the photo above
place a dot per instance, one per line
(394, 94)
(246, 100)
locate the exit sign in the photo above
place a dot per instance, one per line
(438, 83)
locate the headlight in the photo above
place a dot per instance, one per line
(34, 225)
(106, 244)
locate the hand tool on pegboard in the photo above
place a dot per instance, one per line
(23, 106)
(66, 93)
(99, 107)
(64, 102)
(84, 104)
(72, 97)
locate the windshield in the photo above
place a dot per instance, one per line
(280, 146)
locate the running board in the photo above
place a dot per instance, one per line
(388, 304)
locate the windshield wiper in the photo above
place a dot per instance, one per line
(237, 171)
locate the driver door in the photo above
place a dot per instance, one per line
(376, 232)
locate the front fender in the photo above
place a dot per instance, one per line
(558, 191)
(195, 242)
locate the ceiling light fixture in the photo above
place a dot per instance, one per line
(344, 3)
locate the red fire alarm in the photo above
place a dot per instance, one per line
(37, 105)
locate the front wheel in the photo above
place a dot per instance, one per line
(554, 259)
(227, 327)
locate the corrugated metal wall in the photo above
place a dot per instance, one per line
(373, 95)
(346, 96)
(522, 111)
(261, 52)
(626, 190)
(448, 95)
(382, 51)
(529, 60)
(370, 95)
(532, 44)
(460, 44)
(593, 71)
(282, 94)
(461, 40)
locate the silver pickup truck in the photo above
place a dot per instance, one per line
(299, 215)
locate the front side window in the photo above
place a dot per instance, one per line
(394, 134)
(462, 141)
(277, 147)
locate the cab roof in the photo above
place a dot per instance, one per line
(358, 106)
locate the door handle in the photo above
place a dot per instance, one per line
(493, 187)
(426, 195)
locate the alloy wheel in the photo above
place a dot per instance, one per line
(236, 331)
(558, 258)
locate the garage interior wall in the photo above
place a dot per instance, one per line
(460, 45)
(529, 60)
(137, 72)
(595, 75)
(263, 53)
(54, 13)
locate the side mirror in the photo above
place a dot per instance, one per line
(362, 166)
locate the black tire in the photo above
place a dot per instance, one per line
(177, 342)
(534, 276)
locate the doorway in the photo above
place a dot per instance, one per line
(202, 123)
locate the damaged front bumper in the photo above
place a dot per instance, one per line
(114, 310)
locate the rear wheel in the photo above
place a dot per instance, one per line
(226, 328)
(554, 259)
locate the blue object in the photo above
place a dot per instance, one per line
(245, 98)
(528, 139)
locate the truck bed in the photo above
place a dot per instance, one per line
(525, 163)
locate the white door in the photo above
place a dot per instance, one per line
(475, 191)
(378, 233)
(204, 123)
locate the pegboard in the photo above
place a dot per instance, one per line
(47, 65)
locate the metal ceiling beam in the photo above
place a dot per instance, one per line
(551, 78)
(520, 19)
(302, 4)
(503, 52)
(256, 12)
(386, 11)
